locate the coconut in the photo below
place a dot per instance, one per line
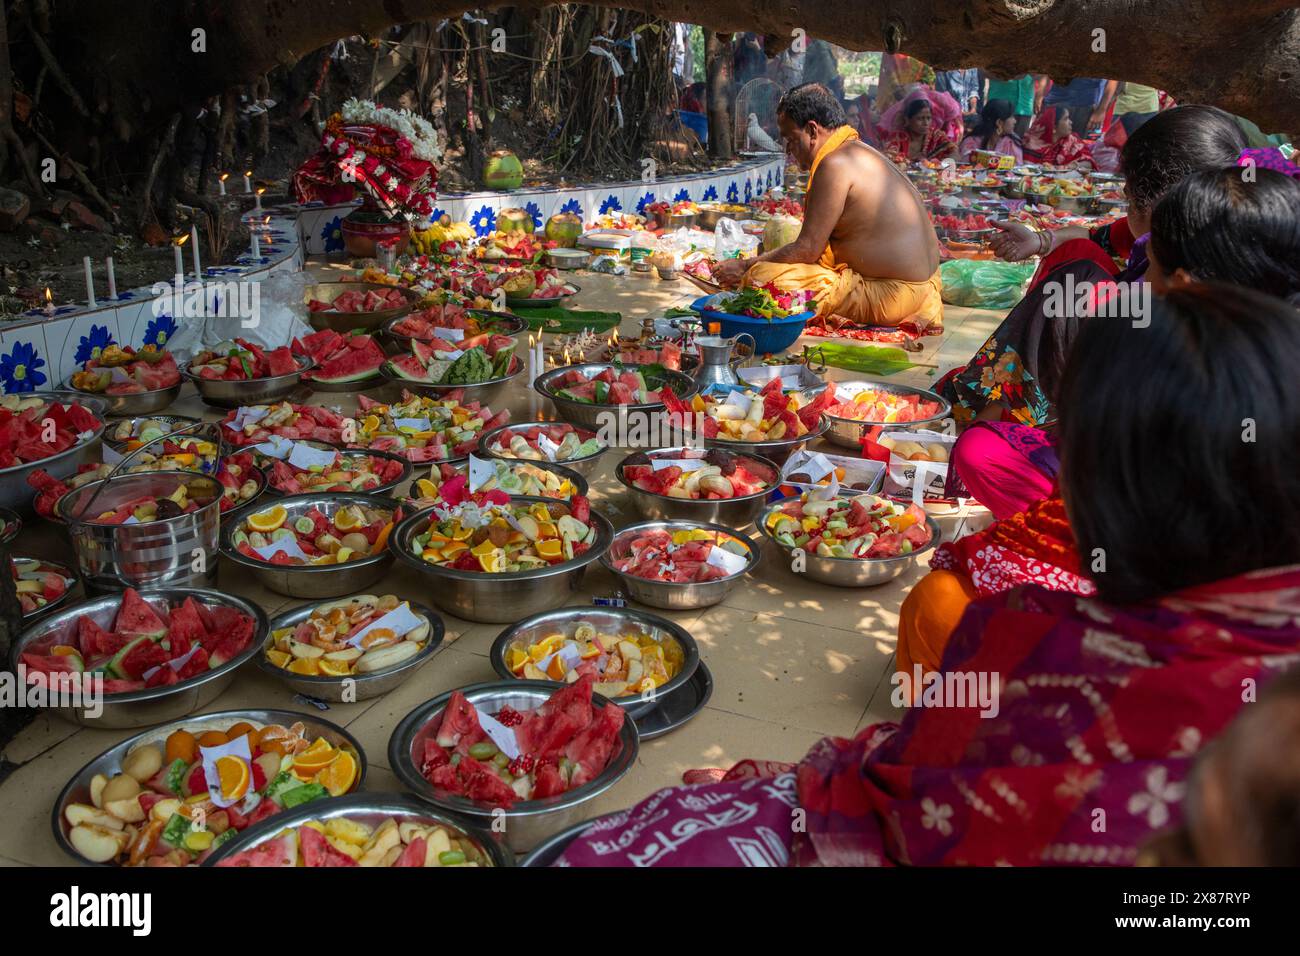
(503, 170)
(515, 220)
(520, 285)
(563, 229)
(781, 230)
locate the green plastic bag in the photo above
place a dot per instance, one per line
(984, 283)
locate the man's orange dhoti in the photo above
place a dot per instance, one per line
(838, 290)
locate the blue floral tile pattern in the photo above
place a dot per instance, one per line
(611, 204)
(749, 190)
(683, 195)
(159, 330)
(484, 221)
(572, 206)
(437, 214)
(644, 201)
(535, 211)
(711, 194)
(733, 194)
(92, 344)
(19, 370)
(332, 235)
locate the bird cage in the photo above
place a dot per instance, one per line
(755, 117)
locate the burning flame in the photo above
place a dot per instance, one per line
(531, 344)
(566, 357)
(260, 190)
(224, 176)
(49, 299)
(182, 239)
(248, 174)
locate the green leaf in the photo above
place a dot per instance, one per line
(866, 359)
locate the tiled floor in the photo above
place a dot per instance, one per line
(791, 660)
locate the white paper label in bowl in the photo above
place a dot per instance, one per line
(415, 424)
(480, 472)
(175, 665)
(287, 546)
(131, 519)
(729, 561)
(685, 464)
(306, 457)
(568, 653)
(817, 467)
(400, 620)
(502, 736)
(111, 457)
(210, 755)
(277, 446)
(547, 447)
(452, 355)
(740, 400)
(450, 335)
(248, 415)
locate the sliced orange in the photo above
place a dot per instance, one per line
(234, 776)
(279, 658)
(268, 520)
(308, 667)
(239, 730)
(314, 759)
(213, 738)
(349, 518)
(339, 775)
(484, 547)
(335, 668)
(556, 669)
(181, 745)
(378, 637)
(381, 539)
(550, 549)
(272, 738)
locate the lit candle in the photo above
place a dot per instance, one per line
(248, 181)
(221, 182)
(176, 250)
(194, 235)
(49, 302)
(112, 278)
(90, 283)
(257, 206)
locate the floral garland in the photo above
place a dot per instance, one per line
(416, 130)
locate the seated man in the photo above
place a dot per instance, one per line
(867, 250)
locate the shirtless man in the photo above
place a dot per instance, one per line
(867, 250)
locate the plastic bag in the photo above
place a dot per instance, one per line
(269, 313)
(731, 242)
(982, 284)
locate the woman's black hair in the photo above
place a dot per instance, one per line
(1180, 442)
(1232, 225)
(914, 107)
(994, 112)
(1172, 145)
(811, 102)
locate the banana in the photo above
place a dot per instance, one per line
(390, 655)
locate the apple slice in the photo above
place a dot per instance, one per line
(127, 809)
(97, 844)
(79, 813)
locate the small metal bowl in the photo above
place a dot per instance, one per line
(408, 468)
(232, 393)
(15, 492)
(136, 403)
(308, 581)
(671, 595)
(732, 512)
(482, 392)
(69, 578)
(615, 620)
(358, 686)
(153, 705)
(852, 572)
(11, 526)
(583, 466)
(174, 422)
(567, 258)
(347, 321)
(514, 302)
(508, 596)
(371, 809)
(580, 486)
(591, 416)
(774, 451)
(849, 432)
(505, 323)
(528, 822)
(108, 763)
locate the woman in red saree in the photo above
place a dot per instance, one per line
(915, 130)
(1101, 703)
(1051, 140)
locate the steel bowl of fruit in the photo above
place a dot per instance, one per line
(452, 484)
(635, 657)
(849, 540)
(697, 484)
(78, 432)
(344, 306)
(552, 749)
(545, 442)
(679, 565)
(131, 382)
(772, 421)
(314, 545)
(364, 829)
(305, 466)
(350, 649)
(240, 373)
(505, 558)
(857, 407)
(144, 657)
(42, 586)
(596, 394)
(148, 801)
(475, 371)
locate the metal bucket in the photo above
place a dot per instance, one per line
(162, 553)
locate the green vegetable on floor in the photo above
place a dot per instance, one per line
(866, 359)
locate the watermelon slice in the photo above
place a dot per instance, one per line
(360, 360)
(459, 727)
(135, 618)
(414, 853)
(591, 748)
(316, 851)
(281, 361)
(280, 851)
(409, 367)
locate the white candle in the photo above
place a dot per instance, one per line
(256, 253)
(49, 302)
(180, 266)
(194, 238)
(221, 182)
(257, 206)
(248, 181)
(112, 279)
(90, 283)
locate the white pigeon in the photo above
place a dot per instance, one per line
(756, 137)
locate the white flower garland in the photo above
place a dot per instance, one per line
(422, 135)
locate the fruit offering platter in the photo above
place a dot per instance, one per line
(514, 755)
(667, 353)
(972, 222)
(829, 525)
(313, 539)
(768, 207)
(421, 428)
(901, 446)
(616, 384)
(767, 414)
(255, 424)
(543, 442)
(625, 662)
(343, 840)
(40, 584)
(513, 246)
(451, 322)
(618, 220)
(341, 360)
(132, 434)
(472, 361)
(359, 635)
(537, 286)
(188, 497)
(241, 481)
(242, 360)
(767, 302)
(359, 301)
(152, 643)
(295, 468)
(881, 406)
(454, 484)
(119, 370)
(176, 800)
(23, 430)
(684, 556)
(697, 474)
(506, 538)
